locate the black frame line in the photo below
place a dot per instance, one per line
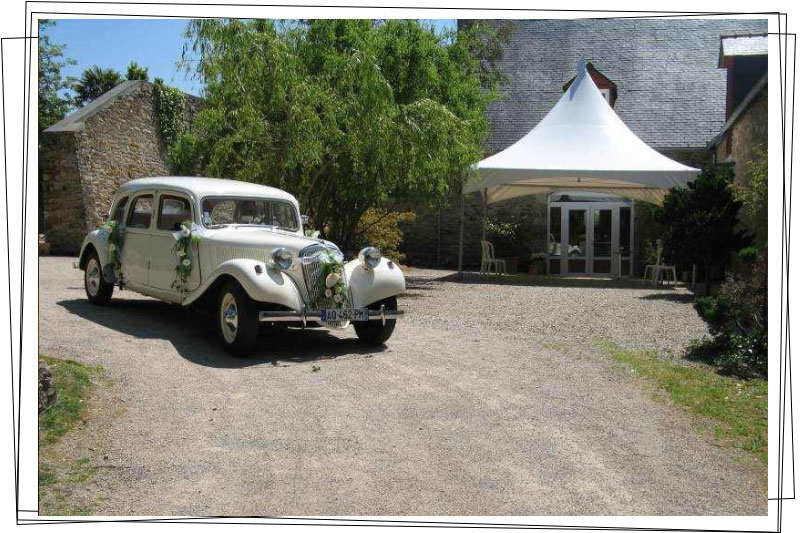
(786, 363)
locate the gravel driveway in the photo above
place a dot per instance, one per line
(488, 400)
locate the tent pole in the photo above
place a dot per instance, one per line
(461, 236)
(484, 199)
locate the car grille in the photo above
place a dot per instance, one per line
(314, 278)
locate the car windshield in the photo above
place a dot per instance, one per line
(250, 211)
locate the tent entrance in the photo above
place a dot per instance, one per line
(589, 234)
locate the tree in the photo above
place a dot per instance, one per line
(136, 72)
(346, 114)
(54, 102)
(701, 222)
(94, 82)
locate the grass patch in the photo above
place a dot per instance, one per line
(736, 408)
(73, 381)
(60, 477)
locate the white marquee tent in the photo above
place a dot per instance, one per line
(581, 144)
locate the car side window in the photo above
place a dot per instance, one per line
(119, 210)
(173, 211)
(141, 213)
(283, 215)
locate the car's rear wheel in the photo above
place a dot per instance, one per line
(375, 331)
(98, 290)
(237, 319)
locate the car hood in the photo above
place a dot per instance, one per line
(250, 237)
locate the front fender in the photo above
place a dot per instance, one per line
(370, 285)
(271, 285)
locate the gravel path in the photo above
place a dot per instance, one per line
(488, 400)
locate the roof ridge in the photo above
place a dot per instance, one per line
(75, 120)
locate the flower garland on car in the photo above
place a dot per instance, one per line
(188, 235)
(114, 248)
(333, 270)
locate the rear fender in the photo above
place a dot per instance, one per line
(368, 285)
(271, 285)
(97, 240)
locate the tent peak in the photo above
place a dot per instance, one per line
(580, 66)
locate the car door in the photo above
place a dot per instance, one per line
(135, 248)
(174, 208)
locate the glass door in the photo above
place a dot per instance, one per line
(590, 235)
(576, 245)
(602, 245)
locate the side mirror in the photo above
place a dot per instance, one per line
(304, 219)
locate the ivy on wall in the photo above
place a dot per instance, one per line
(169, 108)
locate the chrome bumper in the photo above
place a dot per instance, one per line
(303, 317)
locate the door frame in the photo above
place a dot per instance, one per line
(590, 207)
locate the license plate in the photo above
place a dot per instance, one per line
(340, 315)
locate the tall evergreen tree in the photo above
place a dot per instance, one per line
(701, 222)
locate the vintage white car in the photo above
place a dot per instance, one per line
(240, 250)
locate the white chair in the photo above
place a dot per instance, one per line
(658, 269)
(488, 260)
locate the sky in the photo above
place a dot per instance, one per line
(153, 43)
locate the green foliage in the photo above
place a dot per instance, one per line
(381, 228)
(736, 409)
(54, 103)
(94, 82)
(115, 241)
(187, 241)
(700, 222)
(170, 104)
(136, 72)
(345, 114)
(737, 318)
(753, 195)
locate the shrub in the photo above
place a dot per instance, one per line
(737, 318)
(700, 223)
(381, 228)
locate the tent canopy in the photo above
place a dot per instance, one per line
(580, 144)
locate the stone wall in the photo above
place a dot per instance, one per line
(742, 138)
(82, 170)
(61, 208)
(432, 239)
(118, 144)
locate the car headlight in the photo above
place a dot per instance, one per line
(282, 258)
(370, 256)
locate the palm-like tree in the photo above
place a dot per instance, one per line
(95, 81)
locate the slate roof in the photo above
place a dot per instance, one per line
(670, 91)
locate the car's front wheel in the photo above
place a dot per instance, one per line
(375, 331)
(237, 318)
(98, 290)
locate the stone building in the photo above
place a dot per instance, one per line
(87, 155)
(745, 128)
(661, 76)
